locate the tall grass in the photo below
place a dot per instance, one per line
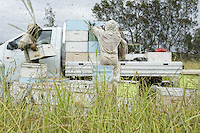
(192, 64)
(106, 112)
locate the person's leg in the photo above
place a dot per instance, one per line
(108, 59)
(27, 56)
(116, 77)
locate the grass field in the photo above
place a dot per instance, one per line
(191, 64)
(105, 114)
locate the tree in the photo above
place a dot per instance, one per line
(196, 43)
(179, 16)
(153, 23)
(49, 16)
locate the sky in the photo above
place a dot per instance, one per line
(14, 12)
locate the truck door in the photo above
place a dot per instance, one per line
(54, 39)
(14, 57)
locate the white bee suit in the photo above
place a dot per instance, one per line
(28, 39)
(109, 40)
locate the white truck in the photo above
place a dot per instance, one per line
(76, 50)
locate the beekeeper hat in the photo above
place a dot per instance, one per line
(34, 29)
(111, 26)
(31, 25)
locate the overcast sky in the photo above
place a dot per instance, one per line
(14, 12)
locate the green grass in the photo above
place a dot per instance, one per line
(129, 90)
(191, 64)
(189, 81)
(67, 114)
(185, 80)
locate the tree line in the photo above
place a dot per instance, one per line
(155, 23)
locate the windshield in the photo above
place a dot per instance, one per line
(45, 38)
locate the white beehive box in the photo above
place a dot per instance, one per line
(44, 51)
(77, 56)
(93, 47)
(76, 36)
(80, 25)
(178, 92)
(103, 73)
(33, 70)
(171, 96)
(159, 56)
(76, 46)
(94, 57)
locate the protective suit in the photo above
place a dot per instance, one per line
(109, 40)
(29, 39)
(122, 48)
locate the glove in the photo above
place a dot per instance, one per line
(91, 24)
(103, 27)
(34, 47)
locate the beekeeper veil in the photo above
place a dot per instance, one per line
(34, 30)
(111, 26)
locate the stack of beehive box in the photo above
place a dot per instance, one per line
(81, 44)
(76, 40)
(32, 72)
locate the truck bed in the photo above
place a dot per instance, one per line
(127, 68)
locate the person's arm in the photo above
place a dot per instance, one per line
(97, 31)
(25, 40)
(124, 43)
(122, 50)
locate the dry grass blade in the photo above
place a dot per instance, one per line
(187, 120)
(16, 27)
(30, 12)
(11, 115)
(31, 7)
(87, 23)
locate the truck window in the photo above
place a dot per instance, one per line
(45, 38)
(13, 44)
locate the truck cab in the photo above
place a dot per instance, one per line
(12, 58)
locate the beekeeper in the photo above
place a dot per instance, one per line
(122, 48)
(109, 40)
(29, 39)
